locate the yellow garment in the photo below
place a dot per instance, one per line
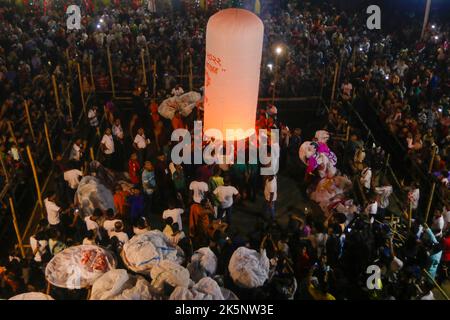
(257, 7)
(203, 4)
(317, 295)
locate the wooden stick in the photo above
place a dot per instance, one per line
(433, 155)
(11, 132)
(430, 201)
(91, 152)
(154, 79)
(27, 111)
(436, 284)
(69, 103)
(16, 227)
(80, 82)
(55, 91)
(191, 85)
(4, 169)
(410, 216)
(333, 91)
(111, 73)
(347, 134)
(91, 71)
(143, 68)
(47, 137)
(36, 180)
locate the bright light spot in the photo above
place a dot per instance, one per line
(387, 77)
(99, 26)
(360, 49)
(270, 66)
(433, 26)
(436, 37)
(278, 50)
(101, 20)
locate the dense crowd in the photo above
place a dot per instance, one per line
(194, 206)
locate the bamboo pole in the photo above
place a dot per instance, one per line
(27, 111)
(80, 82)
(430, 201)
(410, 216)
(191, 84)
(111, 72)
(433, 155)
(333, 91)
(16, 227)
(4, 169)
(154, 79)
(36, 180)
(436, 284)
(69, 69)
(11, 132)
(55, 91)
(91, 71)
(91, 152)
(69, 102)
(143, 68)
(47, 137)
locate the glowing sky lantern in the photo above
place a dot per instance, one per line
(234, 40)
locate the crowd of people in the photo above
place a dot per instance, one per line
(313, 256)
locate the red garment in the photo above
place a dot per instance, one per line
(446, 253)
(133, 170)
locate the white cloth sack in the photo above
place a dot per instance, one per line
(183, 104)
(92, 194)
(170, 273)
(31, 296)
(119, 285)
(146, 250)
(248, 268)
(205, 289)
(203, 264)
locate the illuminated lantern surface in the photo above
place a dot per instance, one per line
(234, 40)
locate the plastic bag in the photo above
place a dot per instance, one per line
(248, 268)
(203, 264)
(92, 194)
(146, 250)
(169, 273)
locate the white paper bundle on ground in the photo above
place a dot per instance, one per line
(91, 194)
(205, 289)
(79, 266)
(169, 273)
(203, 264)
(32, 296)
(184, 104)
(146, 250)
(119, 285)
(248, 268)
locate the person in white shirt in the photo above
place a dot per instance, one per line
(140, 143)
(72, 177)
(110, 221)
(414, 197)
(198, 190)
(141, 226)
(92, 222)
(39, 246)
(383, 192)
(53, 211)
(366, 178)
(107, 146)
(119, 233)
(176, 235)
(77, 151)
(117, 130)
(174, 213)
(177, 91)
(226, 195)
(438, 224)
(372, 208)
(270, 195)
